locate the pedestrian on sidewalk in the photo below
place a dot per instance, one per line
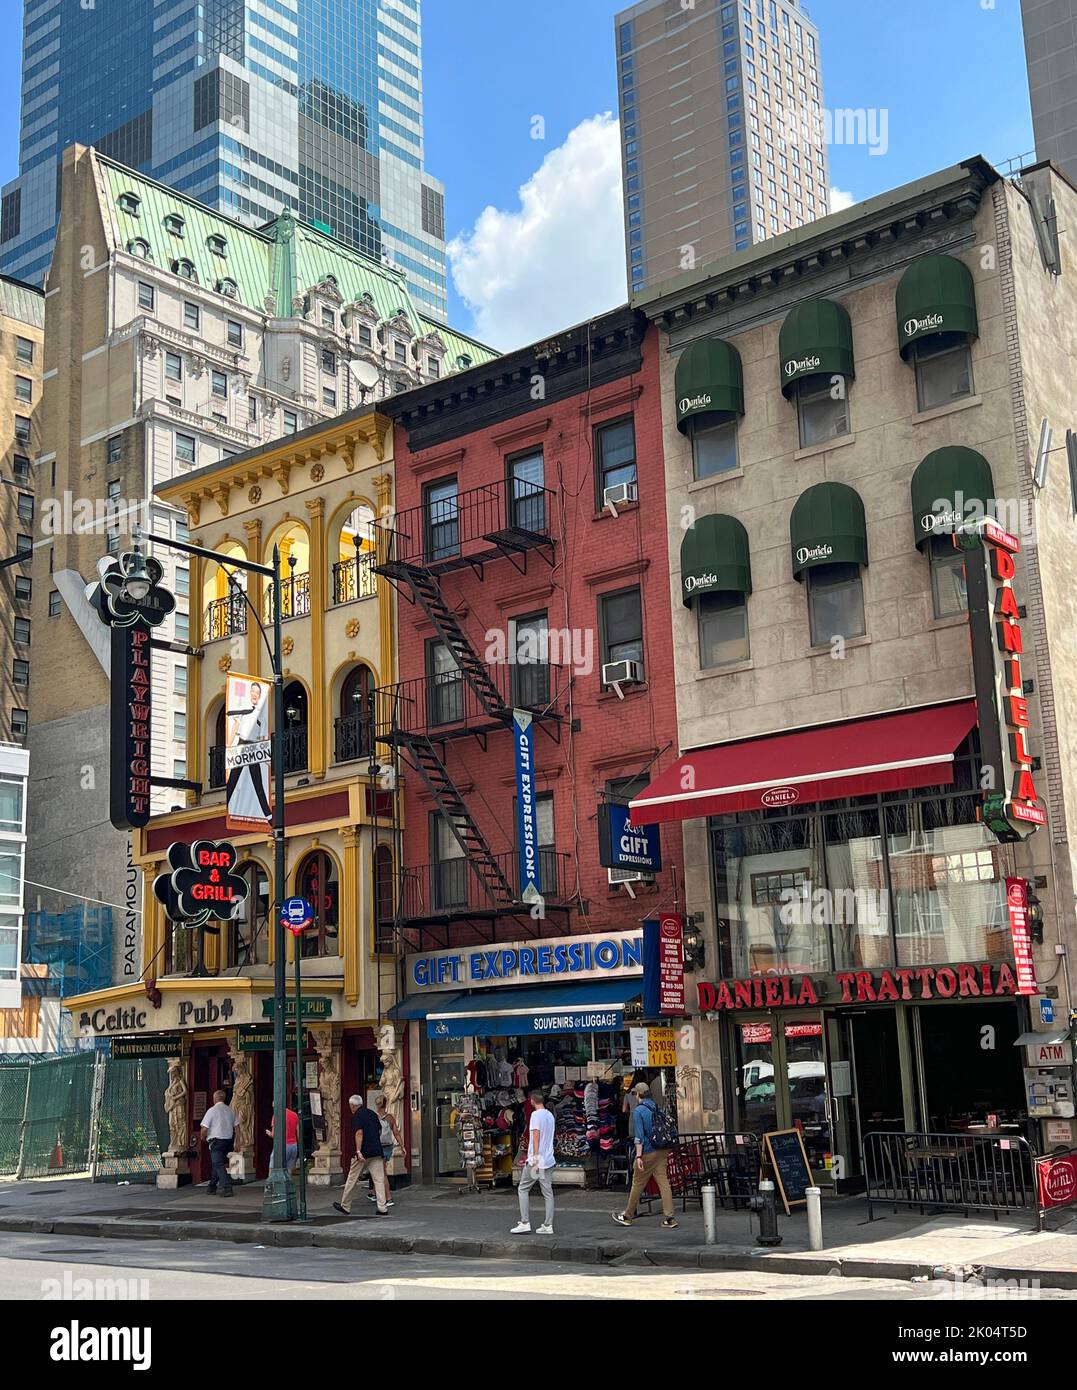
(366, 1128)
(218, 1129)
(390, 1140)
(650, 1160)
(291, 1136)
(538, 1167)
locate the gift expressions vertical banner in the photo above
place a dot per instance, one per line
(526, 810)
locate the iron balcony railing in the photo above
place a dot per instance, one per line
(225, 617)
(295, 756)
(294, 598)
(452, 888)
(952, 1172)
(354, 579)
(447, 705)
(465, 525)
(353, 737)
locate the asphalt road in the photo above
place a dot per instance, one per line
(40, 1267)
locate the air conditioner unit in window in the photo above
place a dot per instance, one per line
(628, 876)
(619, 496)
(618, 673)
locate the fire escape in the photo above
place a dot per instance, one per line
(467, 699)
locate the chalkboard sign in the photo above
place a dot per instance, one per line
(784, 1151)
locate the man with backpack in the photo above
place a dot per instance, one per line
(653, 1136)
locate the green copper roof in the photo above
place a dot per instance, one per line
(284, 259)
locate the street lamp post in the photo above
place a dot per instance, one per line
(278, 1202)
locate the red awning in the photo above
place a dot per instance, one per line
(890, 752)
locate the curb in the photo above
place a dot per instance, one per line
(613, 1253)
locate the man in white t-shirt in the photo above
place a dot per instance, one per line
(538, 1167)
(218, 1130)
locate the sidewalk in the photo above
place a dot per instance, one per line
(446, 1221)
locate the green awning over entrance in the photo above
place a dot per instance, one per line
(827, 527)
(935, 299)
(709, 383)
(714, 558)
(816, 339)
(950, 485)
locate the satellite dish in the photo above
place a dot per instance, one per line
(365, 373)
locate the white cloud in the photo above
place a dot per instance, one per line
(840, 200)
(559, 257)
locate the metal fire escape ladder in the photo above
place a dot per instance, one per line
(425, 759)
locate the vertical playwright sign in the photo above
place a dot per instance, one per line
(1017, 906)
(526, 812)
(663, 967)
(131, 622)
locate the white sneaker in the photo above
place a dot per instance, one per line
(544, 1230)
(522, 1228)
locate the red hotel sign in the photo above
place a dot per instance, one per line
(860, 987)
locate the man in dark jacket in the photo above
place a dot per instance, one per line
(368, 1158)
(649, 1161)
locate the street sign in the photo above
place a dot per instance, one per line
(315, 1006)
(297, 914)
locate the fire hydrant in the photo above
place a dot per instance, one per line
(765, 1204)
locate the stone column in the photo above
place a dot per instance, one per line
(327, 1169)
(176, 1160)
(243, 1104)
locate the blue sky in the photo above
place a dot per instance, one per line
(949, 73)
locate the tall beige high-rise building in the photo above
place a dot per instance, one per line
(1050, 28)
(722, 129)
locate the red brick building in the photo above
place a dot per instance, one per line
(529, 550)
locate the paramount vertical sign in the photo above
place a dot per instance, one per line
(131, 623)
(1011, 803)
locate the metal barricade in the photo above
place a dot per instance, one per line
(950, 1172)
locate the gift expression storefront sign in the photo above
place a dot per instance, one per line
(599, 957)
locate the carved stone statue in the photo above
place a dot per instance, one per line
(392, 1077)
(329, 1085)
(242, 1102)
(179, 1140)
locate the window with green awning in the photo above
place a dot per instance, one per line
(935, 300)
(827, 527)
(951, 485)
(816, 340)
(714, 558)
(709, 383)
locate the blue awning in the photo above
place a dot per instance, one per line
(419, 1005)
(580, 1008)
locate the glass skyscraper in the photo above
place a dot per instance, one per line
(250, 106)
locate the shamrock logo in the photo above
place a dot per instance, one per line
(114, 607)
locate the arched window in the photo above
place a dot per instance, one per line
(137, 247)
(228, 288)
(293, 543)
(317, 882)
(353, 572)
(217, 777)
(250, 930)
(384, 941)
(295, 727)
(185, 270)
(354, 726)
(224, 607)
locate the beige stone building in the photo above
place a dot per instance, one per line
(835, 403)
(314, 498)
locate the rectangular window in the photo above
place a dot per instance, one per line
(20, 468)
(441, 519)
(620, 619)
(24, 545)
(183, 580)
(55, 603)
(20, 723)
(615, 456)
(449, 869)
(22, 630)
(365, 339)
(528, 494)
(219, 384)
(235, 333)
(714, 449)
(183, 627)
(20, 673)
(401, 351)
(147, 296)
(185, 448)
(942, 374)
(291, 421)
(949, 592)
(329, 362)
(115, 448)
(24, 389)
(179, 726)
(835, 603)
(24, 350)
(192, 316)
(433, 367)
(329, 318)
(24, 587)
(179, 769)
(252, 407)
(173, 366)
(26, 508)
(113, 490)
(822, 416)
(529, 640)
(179, 680)
(445, 685)
(723, 629)
(329, 398)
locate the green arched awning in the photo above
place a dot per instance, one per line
(816, 339)
(935, 299)
(709, 383)
(714, 558)
(950, 485)
(827, 527)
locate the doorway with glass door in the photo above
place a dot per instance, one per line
(780, 1081)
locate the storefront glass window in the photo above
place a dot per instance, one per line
(856, 902)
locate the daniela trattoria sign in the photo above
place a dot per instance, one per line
(859, 987)
(1011, 804)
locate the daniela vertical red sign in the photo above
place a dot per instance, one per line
(1017, 906)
